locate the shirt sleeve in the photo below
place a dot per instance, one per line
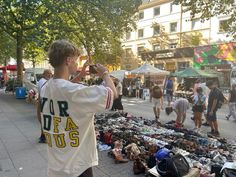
(93, 99)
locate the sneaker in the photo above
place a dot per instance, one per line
(217, 133)
(42, 141)
(205, 124)
(211, 132)
(227, 117)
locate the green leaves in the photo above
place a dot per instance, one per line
(208, 8)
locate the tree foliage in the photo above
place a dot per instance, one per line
(34, 24)
(207, 9)
(7, 46)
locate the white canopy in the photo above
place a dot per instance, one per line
(149, 69)
(119, 74)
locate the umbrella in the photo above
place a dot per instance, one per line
(193, 73)
(149, 69)
(119, 74)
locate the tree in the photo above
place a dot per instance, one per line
(207, 9)
(95, 23)
(20, 19)
(191, 39)
(7, 47)
(161, 37)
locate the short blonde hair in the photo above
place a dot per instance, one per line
(60, 50)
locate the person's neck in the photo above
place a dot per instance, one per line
(61, 73)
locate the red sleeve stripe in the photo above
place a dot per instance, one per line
(108, 98)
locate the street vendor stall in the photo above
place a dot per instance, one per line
(151, 75)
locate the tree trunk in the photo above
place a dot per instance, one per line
(34, 63)
(19, 56)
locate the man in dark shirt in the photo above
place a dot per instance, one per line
(212, 107)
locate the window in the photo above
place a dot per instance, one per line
(183, 65)
(171, 7)
(128, 35)
(159, 66)
(156, 11)
(172, 45)
(156, 47)
(173, 27)
(223, 26)
(140, 50)
(196, 24)
(156, 30)
(140, 33)
(141, 15)
(128, 52)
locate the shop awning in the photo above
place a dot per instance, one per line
(9, 67)
(193, 73)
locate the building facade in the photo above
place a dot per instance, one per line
(162, 28)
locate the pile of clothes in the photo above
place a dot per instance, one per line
(139, 140)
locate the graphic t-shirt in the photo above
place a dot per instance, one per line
(67, 115)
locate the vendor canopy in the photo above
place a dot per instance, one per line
(119, 74)
(9, 67)
(193, 73)
(149, 69)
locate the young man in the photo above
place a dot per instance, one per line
(67, 113)
(156, 97)
(169, 90)
(212, 107)
(180, 106)
(47, 74)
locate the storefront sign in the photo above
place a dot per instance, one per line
(167, 54)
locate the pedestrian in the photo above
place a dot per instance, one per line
(156, 97)
(180, 106)
(196, 86)
(137, 87)
(232, 103)
(67, 113)
(47, 74)
(198, 108)
(212, 107)
(169, 90)
(117, 104)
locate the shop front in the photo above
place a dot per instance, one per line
(171, 59)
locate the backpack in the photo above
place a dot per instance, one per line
(221, 99)
(175, 166)
(156, 92)
(169, 85)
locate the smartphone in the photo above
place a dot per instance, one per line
(92, 69)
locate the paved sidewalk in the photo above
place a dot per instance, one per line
(20, 153)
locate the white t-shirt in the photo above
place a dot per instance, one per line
(68, 123)
(41, 83)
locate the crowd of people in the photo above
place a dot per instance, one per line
(66, 108)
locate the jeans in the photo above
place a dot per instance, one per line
(87, 173)
(232, 109)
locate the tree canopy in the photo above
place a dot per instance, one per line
(94, 24)
(207, 9)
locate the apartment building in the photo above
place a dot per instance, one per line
(166, 36)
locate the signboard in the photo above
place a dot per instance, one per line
(215, 54)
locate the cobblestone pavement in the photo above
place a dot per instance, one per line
(20, 153)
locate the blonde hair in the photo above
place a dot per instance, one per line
(60, 50)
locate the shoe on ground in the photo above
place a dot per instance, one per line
(205, 124)
(42, 140)
(216, 133)
(211, 132)
(227, 117)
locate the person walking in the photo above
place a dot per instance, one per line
(169, 90)
(137, 87)
(47, 74)
(212, 107)
(180, 106)
(198, 108)
(117, 104)
(156, 97)
(232, 103)
(67, 113)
